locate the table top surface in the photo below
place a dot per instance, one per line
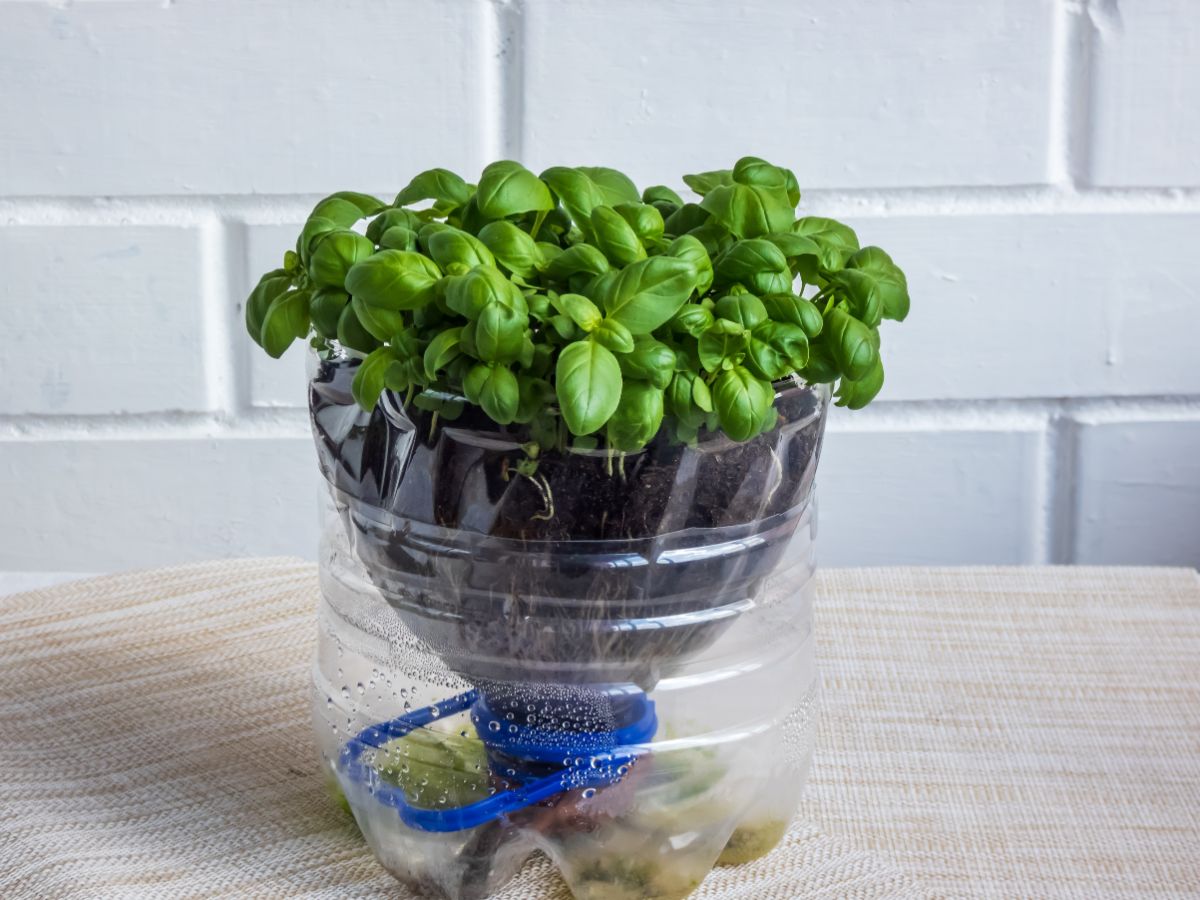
(985, 732)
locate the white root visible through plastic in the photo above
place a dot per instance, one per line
(543, 486)
(778, 469)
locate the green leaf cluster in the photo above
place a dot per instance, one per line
(591, 312)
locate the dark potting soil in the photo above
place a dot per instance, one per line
(465, 474)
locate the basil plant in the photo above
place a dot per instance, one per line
(573, 304)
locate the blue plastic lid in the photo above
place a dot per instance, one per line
(598, 758)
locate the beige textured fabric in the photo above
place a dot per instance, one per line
(1007, 732)
(155, 741)
(1010, 732)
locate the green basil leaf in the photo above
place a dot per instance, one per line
(588, 386)
(392, 218)
(379, 322)
(582, 311)
(528, 352)
(314, 229)
(577, 192)
(539, 305)
(890, 283)
(352, 334)
(450, 245)
(442, 350)
(448, 406)
(716, 348)
(741, 400)
(428, 230)
(550, 252)
(495, 390)
(796, 311)
(649, 293)
(837, 242)
(687, 218)
(342, 210)
(660, 193)
(579, 258)
(749, 210)
(750, 170)
(861, 290)
(439, 185)
(745, 309)
(649, 360)
(394, 279)
(268, 288)
(693, 320)
(857, 394)
(334, 255)
(702, 395)
(398, 237)
(704, 182)
(600, 287)
(614, 336)
(637, 418)
(615, 238)
(714, 237)
(777, 349)
(645, 220)
(689, 247)
(758, 264)
(662, 198)
(680, 400)
(822, 368)
(325, 310)
(794, 245)
(285, 321)
(792, 187)
(851, 343)
(534, 395)
(513, 248)
(470, 294)
(507, 188)
(499, 333)
(614, 186)
(368, 383)
(364, 204)
(565, 328)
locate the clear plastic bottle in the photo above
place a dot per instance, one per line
(626, 684)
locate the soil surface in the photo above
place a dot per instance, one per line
(466, 474)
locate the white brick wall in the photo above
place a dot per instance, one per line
(1033, 164)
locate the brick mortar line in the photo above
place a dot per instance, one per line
(931, 416)
(506, 27)
(1060, 490)
(259, 209)
(218, 349)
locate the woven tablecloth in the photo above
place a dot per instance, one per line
(984, 733)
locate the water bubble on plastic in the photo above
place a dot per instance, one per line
(493, 725)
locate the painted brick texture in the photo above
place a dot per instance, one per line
(1031, 163)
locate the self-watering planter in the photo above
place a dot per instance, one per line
(569, 433)
(636, 701)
